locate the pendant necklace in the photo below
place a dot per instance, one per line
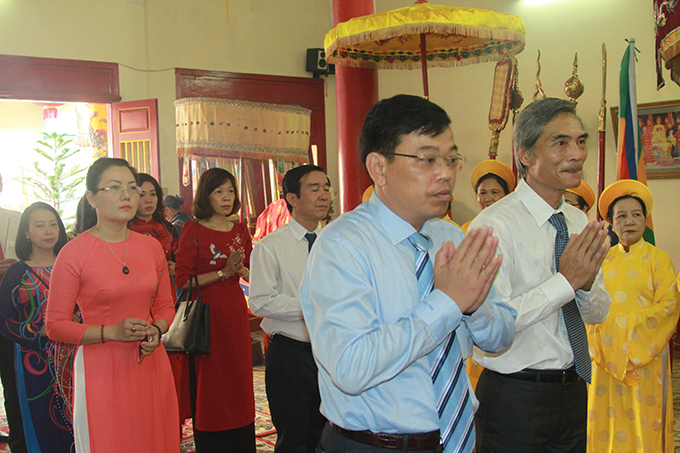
(123, 263)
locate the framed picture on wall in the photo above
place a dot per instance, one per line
(659, 124)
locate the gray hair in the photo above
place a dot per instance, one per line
(530, 124)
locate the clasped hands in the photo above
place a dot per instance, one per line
(583, 255)
(135, 329)
(466, 273)
(234, 265)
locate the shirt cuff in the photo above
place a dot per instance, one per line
(440, 313)
(558, 288)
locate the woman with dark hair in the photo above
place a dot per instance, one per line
(122, 380)
(43, 394)
(630, 402)
(150, 218)
(86, 218)
(173, 214)
(151, 221)
(491, 180)
(217, 251)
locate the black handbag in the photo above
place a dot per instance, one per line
(189, 332)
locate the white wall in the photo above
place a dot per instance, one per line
(270, 37)
(559, 28)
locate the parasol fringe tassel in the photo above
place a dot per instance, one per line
(407, 65)
(196, 153)
(427, 27)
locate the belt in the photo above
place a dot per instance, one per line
(409, 442)
(563, 377)
(290, 343)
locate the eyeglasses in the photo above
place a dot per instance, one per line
(430, 161)
(117, 189)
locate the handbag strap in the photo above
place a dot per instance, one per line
(192, 279)
(35, 274)
(190, 301)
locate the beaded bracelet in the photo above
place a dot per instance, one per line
(160, 332)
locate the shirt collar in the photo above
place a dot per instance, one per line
(539, 209)
(298, 230)
(397, 229)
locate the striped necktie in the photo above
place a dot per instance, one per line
(576, 330)
(447, 368)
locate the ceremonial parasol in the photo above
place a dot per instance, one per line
(425, 35)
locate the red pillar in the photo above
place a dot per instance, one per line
(356, 90)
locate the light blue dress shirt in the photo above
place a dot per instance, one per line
(370, 333)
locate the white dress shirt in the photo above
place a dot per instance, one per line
(528, 283)
(276, 267)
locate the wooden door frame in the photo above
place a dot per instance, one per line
(50, 79)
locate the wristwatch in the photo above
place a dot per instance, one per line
(220, 274)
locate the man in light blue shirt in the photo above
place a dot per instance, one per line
(374, 332)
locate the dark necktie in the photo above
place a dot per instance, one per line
(447, 369)
(576, 330)
(311, 237)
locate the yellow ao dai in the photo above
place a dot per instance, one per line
(631, 376)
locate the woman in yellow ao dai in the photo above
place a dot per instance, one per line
(630, 407)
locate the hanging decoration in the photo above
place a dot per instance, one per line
(667, 31)
(240, 129)
(98, 130)
(504, 87)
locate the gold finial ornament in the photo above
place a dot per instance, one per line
(538, 86)
(573, 87)
(602, 117)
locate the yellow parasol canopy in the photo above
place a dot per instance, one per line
(452, 36)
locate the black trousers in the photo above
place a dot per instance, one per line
(292, 385)
(530, 417)
(239, 440)
(17, 442)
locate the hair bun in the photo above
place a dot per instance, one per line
(173, 201)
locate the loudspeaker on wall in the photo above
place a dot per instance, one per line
(317, 64)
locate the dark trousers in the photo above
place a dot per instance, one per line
(291, 379)
(530, 417)
(239, 440)
(17, 442)
(334, 442)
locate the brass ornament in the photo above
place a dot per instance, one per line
(573, 87)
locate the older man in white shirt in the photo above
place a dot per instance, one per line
(277, 265)
(533, 395)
